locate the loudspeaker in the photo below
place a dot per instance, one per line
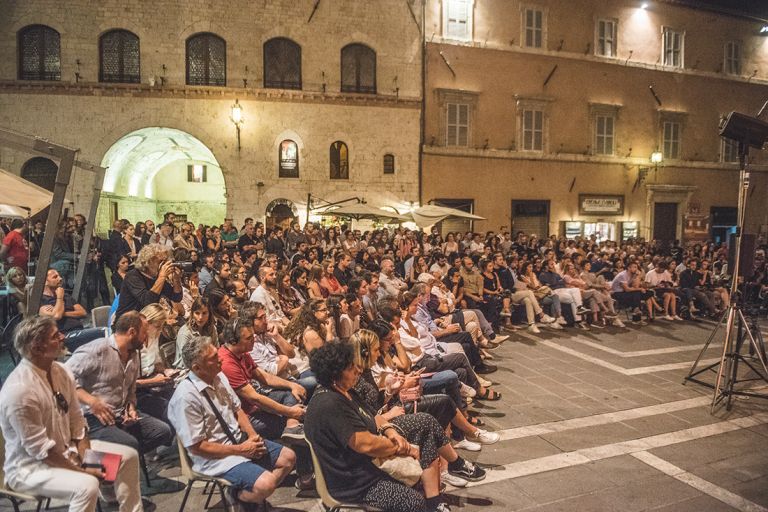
(747, 261)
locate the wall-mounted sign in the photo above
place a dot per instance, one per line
(592, 204)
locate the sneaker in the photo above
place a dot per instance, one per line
(500, 338)
(305, 483)
(668, 317)
(581, 310)
(451, 479)
(296, 432)
(467, 391)
(597, 326)
(555, 325)
(618, 323)
(469, 473)
(484, 382)
(582, 325)
(441, 507)
(675, 317)
(533, 329)
(546, 319)
(466, 444)
(484, 437)
(562, 321)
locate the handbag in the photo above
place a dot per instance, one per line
(404, 469)
(542, 292)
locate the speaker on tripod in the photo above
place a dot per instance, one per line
(747, 259)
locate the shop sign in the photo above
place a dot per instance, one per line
(590, 204)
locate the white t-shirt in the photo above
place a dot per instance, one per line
(655, 279)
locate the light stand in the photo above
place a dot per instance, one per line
(747, 132)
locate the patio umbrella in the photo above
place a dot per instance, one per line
(362, 211)
(430, 214)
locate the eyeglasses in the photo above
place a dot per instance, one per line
(61, 402)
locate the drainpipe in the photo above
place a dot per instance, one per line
(422, 117)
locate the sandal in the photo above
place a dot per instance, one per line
(489, 395)
(475, 421)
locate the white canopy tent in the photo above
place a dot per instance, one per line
(21, 198)
(430, 214)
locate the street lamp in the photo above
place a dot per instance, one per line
(656, 158)
(236, 116)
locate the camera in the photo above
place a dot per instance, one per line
(186, 266)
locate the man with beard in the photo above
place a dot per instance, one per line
(266, 294)
(105, 371)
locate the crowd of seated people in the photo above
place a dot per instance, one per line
(249, 344)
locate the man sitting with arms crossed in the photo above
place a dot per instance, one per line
(45, 432)
(215, 430)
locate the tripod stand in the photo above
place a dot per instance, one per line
(727, 368)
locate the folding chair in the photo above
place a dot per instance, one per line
(193, 476)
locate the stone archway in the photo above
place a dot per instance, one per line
(280, 212)
(154, 170)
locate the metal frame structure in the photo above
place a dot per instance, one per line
(65, 157)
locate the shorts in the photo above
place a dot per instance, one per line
(245, 474)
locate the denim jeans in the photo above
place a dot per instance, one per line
(143, 436)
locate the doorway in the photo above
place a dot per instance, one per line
(665, 221)
(530, 217)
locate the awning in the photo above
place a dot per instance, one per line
(21, 198)
(430, 214)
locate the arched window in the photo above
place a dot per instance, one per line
(206, 60)
(289, 159)
(119, 57)
(339, 161)
(282, 64)
(39, 53)
(389, 163)
(358, 69)
(41, 171)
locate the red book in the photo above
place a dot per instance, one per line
(109, 463)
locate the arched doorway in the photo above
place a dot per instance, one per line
(156, 170)
(41, 171)
(280, 212)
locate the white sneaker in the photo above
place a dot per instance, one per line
(500, 338)
(618, 323)
(466, 444)
(668, 317)
(555, 325)
(467, 391)
(484, 382)
(676, 317)
(484, 437)
(546, 319)
(562, 321)
(533, 329)
(450, 479)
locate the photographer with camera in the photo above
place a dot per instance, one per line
(154, 275)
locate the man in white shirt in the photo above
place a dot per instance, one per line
(45, 431)
(266, 294)
(661, 282)
(216, 432)
(389, 284)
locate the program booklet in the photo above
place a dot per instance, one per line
(109, 463)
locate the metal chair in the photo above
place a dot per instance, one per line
(193, 476)
(329, 502)
(100, 316)
(6, 339)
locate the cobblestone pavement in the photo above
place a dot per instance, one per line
(595, 421)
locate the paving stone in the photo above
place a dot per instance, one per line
(556, 485)
(647, 493)
(576, 439)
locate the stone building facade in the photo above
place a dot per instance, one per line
(368, 98)
(546, 112)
